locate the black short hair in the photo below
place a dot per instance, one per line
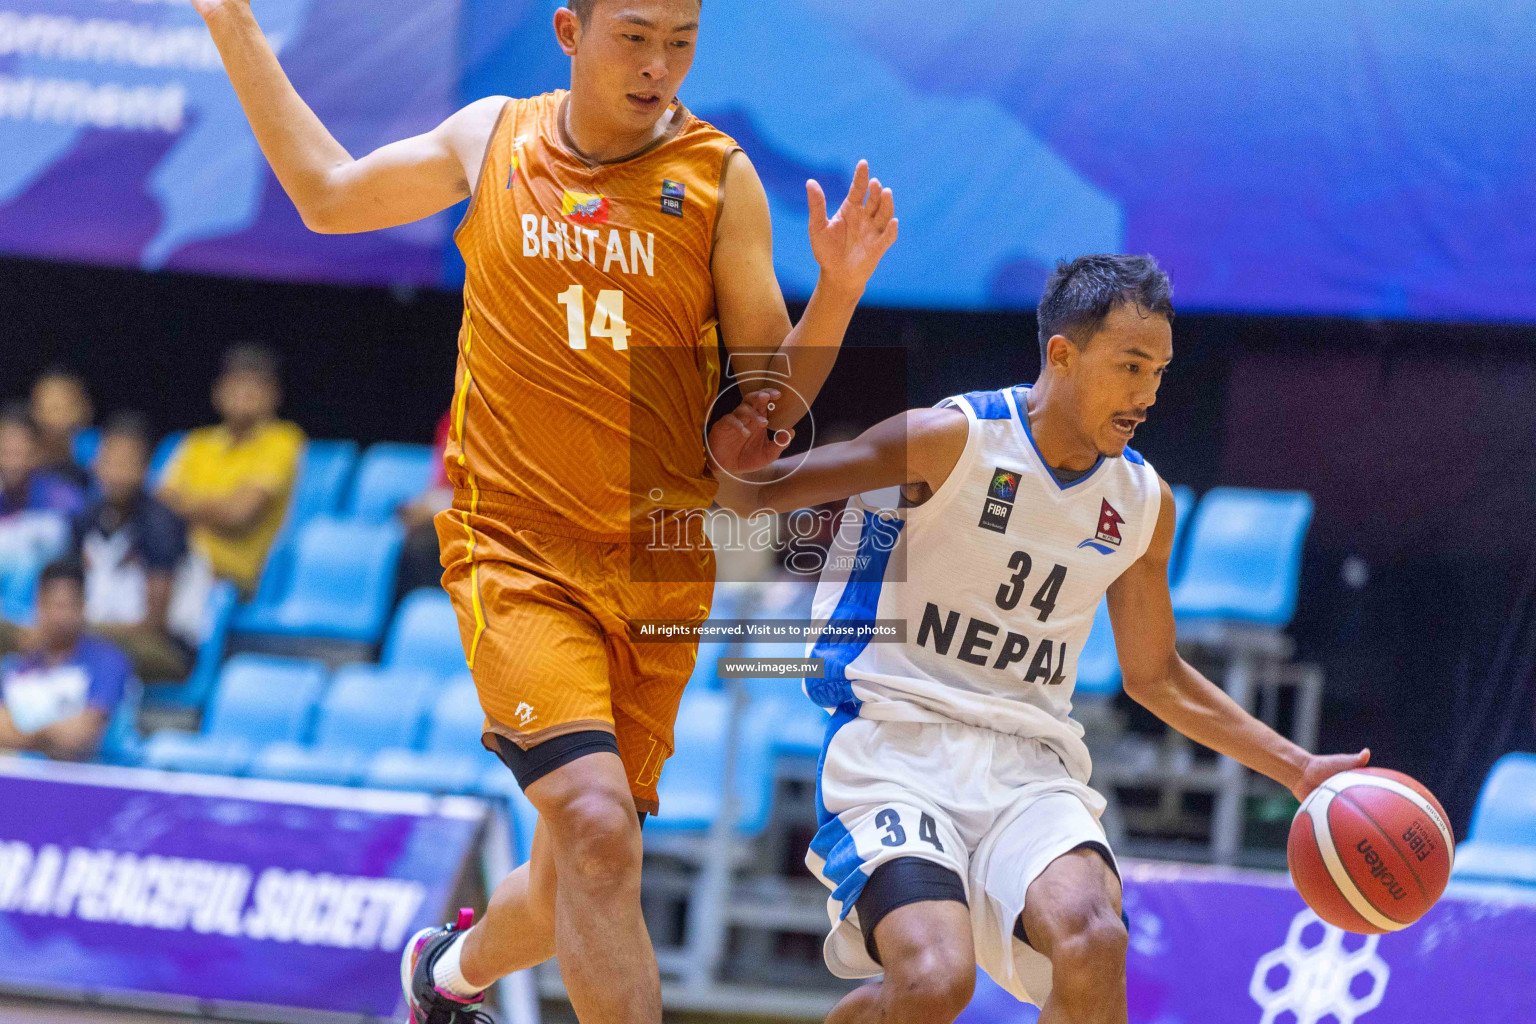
(583, 9)
(68, 568)
(130, 424)
(58, 371)
(251, 358)
(1083, 292)
(16, 414)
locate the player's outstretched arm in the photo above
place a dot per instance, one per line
(919, 446)
(335, 194)
(753, 320)
(1161, 681)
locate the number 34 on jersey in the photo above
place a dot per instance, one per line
(939, 628)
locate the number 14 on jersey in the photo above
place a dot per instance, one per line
(607, 319)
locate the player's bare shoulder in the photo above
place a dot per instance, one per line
(936, 439)
(468, 132)
(743, 201)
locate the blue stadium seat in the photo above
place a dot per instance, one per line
(1501, 844)
(690, 788)
(389, 476)
(1244, 557)
(1183, 506)
(457, 721)
(796, 724)
(1098, 666)
(322, 481)
(722, 603)
(33, 539)
(324, 474)
(259, 700)
(398, 768)
(85, 444)
(452, 758)
(342, 584)
(121, 744)
(789, 600)
(162, 456)
(18, 593)
(425, 635)
(367, 709)
(193, 693)
(704, 675)
(724, 606)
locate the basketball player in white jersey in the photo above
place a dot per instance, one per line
(956, 823)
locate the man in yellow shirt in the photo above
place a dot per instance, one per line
(231, 482)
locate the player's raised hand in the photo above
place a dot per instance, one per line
(207, 7)
(849, 245)
(1322, 767)
(740, 442)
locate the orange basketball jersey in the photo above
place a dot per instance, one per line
(588, 352)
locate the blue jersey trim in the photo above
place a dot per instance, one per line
(1132, 455)
(844, 714)
(833, 843)
(989, 405)
(857, 604)
(1018, 396)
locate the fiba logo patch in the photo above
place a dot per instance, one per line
(1107, 538)
(998, 506)
(672, 193)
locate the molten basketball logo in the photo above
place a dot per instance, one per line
(1369, 850)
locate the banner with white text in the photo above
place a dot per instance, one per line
(119, 882)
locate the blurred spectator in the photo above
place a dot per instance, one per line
(58, 699)
(132, 547)
(420, 564)
(25, 485)
(231, 482)
(61, 408)
(35, 509)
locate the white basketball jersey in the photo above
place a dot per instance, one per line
(997, 577)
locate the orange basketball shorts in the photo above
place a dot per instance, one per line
(544, 613)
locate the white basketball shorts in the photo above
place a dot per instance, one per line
(995, 809)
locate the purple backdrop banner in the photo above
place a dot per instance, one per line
(1212, 946)
(118, 881)
(121, 140)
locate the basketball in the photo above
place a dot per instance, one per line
(1370, 850)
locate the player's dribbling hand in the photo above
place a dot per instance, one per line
(1321, 767)
(849, 246)
(740, 443)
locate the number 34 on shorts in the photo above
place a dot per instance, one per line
(884, 832)
(889, 818)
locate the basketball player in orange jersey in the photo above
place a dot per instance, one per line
(610, 234)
